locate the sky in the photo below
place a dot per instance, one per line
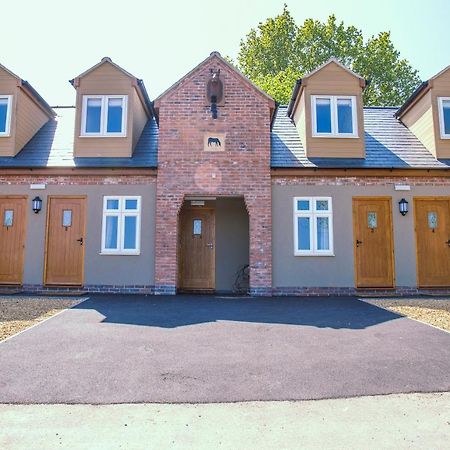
(48, 42)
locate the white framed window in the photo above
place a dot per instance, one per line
(313, 226)
(5, 114)
(334, 116)
(121, 228)
(444, 116)
(104, 116)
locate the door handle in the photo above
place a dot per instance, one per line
(211, 246)
(80, 241)
(448, 242)
(358, 242)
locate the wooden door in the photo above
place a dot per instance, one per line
(432, 224)
(64, 257)
(13, 211)
(373, 245)
(197, 250)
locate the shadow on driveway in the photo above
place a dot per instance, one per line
(184, 310)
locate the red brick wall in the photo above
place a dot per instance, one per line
(243, 169)
(67, 180)
(360, 181)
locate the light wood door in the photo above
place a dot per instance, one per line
(373, 246)
(432, 223)
(64, 258)
(13, 211)
(197, 249)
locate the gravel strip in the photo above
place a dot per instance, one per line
(18, 313)
(433, 311)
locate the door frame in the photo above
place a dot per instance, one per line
(391, 232)
(422, 198)
(212, 210)
(24, 236)
(49, 197)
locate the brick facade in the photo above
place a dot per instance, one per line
(359, 181)
(241, 170)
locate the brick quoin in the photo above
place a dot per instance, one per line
(241, 170)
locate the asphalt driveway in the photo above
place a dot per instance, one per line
(217, 349)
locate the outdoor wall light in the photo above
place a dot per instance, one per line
(403, 207)
(214, 91)
(36, 204)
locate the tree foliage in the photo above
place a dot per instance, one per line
(278, 52)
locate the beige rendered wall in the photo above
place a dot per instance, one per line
(232, 241)
(99, 269)
(338, 270)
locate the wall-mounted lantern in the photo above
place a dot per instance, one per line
(214, 91)
(403, 207)
(36, 204)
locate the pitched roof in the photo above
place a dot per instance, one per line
(335, 61)
(226, 63)
(52, 146)
(389, 144)
(30, 89)
(139, 82)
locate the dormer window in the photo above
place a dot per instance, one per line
(5, 114)
(104, 116)
(334, 116)
(444, 116)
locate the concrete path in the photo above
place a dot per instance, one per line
(211, 349)
(414, 421)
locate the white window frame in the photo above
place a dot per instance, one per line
(312, 213)
(334, 116)
(441, 117)
(7, 131)
(104, 116)
(121, 213)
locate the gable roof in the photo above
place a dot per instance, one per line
(227, 64)
(139, 82)
(417, 94)
(330, 61)
(104, 60)
(32, 92)
(388, 143)
(299, 82)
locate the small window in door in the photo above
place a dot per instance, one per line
(8, 218)
(432, 220)
(372, 220)
(67, 218)
(197, 227)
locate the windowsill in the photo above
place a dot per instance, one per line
(102, 135)
(334, 136)
(5, 135)
(104, 253)
(445, 136)
(313, 254)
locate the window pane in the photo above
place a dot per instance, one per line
(323, 233)
(323, 115)
(112, 204)
(344, 110)
(114, 124)
(131, 204)
(8, 218)
(111, 232)
(446, 114)
(303, 205)
(322, 205)
(130, 233)
(67, 218)
(93, 115)
(3, 113)
(197, 227)
(303, 233)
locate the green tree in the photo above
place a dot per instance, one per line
(278, 52)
